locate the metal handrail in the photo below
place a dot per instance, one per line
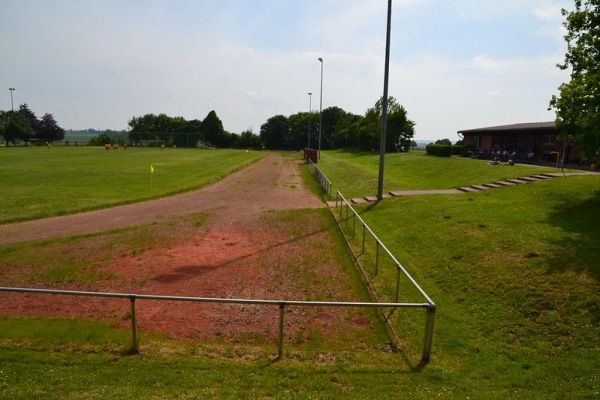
(431, 307)
(325, 183)
(380, 244)
(280, 303)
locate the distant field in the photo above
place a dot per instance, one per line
(38, 182)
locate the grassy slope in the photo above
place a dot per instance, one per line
(356, 174)
(516, 277)
(514, 273)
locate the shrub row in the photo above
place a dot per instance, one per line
(443, 150)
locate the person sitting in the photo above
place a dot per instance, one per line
(494, 161)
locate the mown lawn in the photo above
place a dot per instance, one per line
(38, 182)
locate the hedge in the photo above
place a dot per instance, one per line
(443, 150)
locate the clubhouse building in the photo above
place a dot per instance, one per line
(530, 142)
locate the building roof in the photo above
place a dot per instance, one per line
(513, 128)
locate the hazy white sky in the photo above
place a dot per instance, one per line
(455, 64)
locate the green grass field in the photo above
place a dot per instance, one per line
(38, 182)
(514, 272)
(356, 174)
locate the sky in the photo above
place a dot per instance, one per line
(454, 64)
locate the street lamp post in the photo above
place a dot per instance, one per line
(321, 109)
(385, 103)
(309, 110)
(11, 98)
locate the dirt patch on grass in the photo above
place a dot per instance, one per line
(253, 243)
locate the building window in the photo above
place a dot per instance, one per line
(548, 140)
(477, 141)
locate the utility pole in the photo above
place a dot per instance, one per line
(385, 103)
(11, 98)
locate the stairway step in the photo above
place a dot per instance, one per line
(479, 187)
(492, 185)
(516, 181)
(504, 183)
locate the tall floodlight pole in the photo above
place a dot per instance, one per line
(321, 109)
(309, 110)
(385, 103)
(11, 98)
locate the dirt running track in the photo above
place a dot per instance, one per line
(271, 184)
(233, 254)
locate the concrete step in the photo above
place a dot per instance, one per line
(528, 178)
(504, 183)
(358, 201)
(516, 181)
(492, 185)
(479, 187)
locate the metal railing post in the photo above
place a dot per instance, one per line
(353, 225)
(347, 208)
(428, 339)
(363, 239)
(376, 257)
(134, 345)
(280, 352)
(397, 282)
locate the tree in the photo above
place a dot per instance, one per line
(211, 130)
(48, 129)
(443, 141)
(331, 118)
(192, 129)
(297, 136)
(274, 131)
(578, 103)
(399, 128)
(248, 140)
(159, 129)
(30, 117)
(14, 127)
(348, 130)
(103, 138)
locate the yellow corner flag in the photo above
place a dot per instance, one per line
(151, 173)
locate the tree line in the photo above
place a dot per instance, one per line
(177, 131)
(24, 126)
(339, 129)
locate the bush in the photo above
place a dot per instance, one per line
(439, 150)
